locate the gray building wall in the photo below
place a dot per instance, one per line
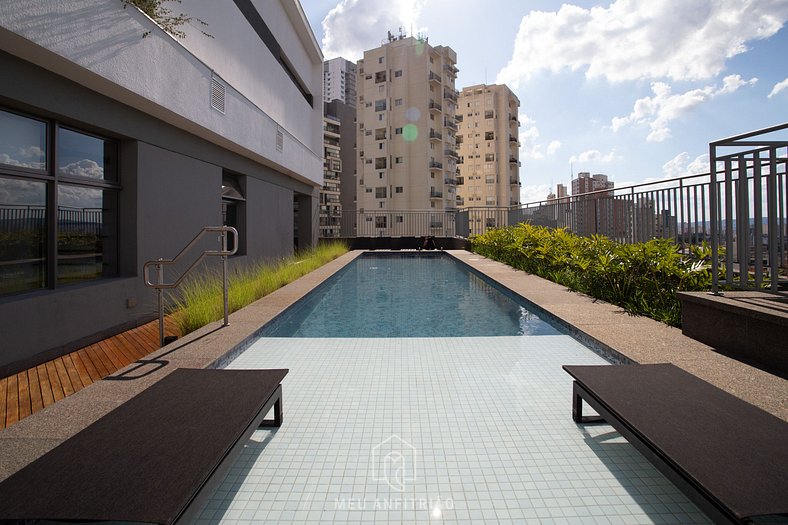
(171, 183)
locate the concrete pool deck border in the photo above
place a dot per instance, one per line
(604, 327)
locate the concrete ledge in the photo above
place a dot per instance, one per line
(748, 326)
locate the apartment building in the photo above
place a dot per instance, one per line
(330, 207)
(488, 144)
(346, 115)
(339, 81)
(406, 156)
(120, 142)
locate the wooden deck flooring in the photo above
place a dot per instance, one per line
(31, 390)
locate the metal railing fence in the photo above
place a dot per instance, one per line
(739, 208)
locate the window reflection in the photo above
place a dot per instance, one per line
(22, 235)
(86, 226)
(80, 155)
(23, 141)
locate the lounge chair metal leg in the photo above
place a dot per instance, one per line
(277, 421)
(577, 407)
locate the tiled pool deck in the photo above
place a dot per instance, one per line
(426, 430)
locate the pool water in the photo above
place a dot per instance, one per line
(407, 295)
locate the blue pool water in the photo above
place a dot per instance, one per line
(406, 295)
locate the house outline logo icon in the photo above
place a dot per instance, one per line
(393, 460)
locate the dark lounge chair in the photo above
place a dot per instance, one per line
(155, 458)
(729, 457)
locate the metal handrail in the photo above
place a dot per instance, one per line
(159, 264)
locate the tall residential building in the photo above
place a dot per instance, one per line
(406, 158)
(347, 152)
(489, 171)
(113, 154)
(330, 207)
(339, 81)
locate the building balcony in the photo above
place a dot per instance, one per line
(436, 194)
(450, 94)
(436, 135)
(514, 139)
(435, 78)
(435, 165)
(460, 201)
(449, 181)
(435, 107)
(450, 153)
(514, 181)
(449, 124)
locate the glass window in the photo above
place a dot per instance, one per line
(23, 142)
(86, 233)
(84, 208)
(84, 156)
(23, 227)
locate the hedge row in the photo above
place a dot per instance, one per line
(642, 278)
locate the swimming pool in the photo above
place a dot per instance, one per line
(407, 295)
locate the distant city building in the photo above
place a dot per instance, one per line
(594, 215)
(406, 158)
(339, 81)
(346, 115)
(487, 139)
(330, 207)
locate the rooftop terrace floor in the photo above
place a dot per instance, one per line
(487, 419)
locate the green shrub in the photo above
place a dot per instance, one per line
(201, 299)
(642, 278)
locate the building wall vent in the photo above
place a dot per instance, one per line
(280, 140)
(217, 94)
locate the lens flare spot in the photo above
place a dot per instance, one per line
(413, 114)
(410, 132)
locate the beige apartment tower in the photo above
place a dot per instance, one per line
(406, 156)
(489, 148)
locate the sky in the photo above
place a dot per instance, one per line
(634, 89)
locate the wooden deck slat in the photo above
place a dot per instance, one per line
(65, 381)
(34, 389)
(116, 360)
(141, 348)
(57, 387)
(73, 374)
(87, 363)
(3, 397)
(129, 354)
(46, 387)
(92, 352)
(36, 401)
(82, 372)
(23, 386)
(12, 401)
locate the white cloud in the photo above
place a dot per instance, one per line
(354, 26)
(83, 168)
(534, 193)
(778, 87)
(594, 155)
(680, 165)
(530, 147)
(664, 106)
(641, 39)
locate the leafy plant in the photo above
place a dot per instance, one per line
(642, 278)
(165, 17)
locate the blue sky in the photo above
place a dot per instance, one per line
(635, 89)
